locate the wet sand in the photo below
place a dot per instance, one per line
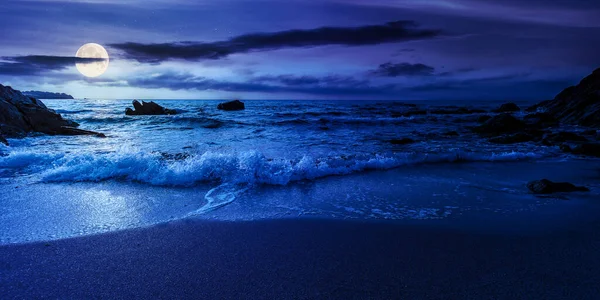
(305, 258)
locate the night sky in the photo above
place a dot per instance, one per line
(293, 49)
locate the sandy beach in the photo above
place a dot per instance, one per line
(302, 259)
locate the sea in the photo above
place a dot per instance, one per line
(281, 159)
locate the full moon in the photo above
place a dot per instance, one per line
(96, 68)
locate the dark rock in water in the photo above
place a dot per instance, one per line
(148, 108)
(500, 124)
(546, 186)
(519, 137)
(3, 140)
(577, 104)
(20, 115)
(402, 141)
(561, 137)
(507, 107)
(540, 120)
(67, 130)
(483, 118)
(231, 105)
(587, 149)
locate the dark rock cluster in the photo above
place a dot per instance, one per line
(20, 114)
(148, 108)
(231, 105)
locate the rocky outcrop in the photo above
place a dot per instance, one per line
(3, 140)
(20, 114)
(231, 105)
(578, 104)
(546, 186)
(47, 95)
(500, 124)
(148, 108)
(507, 108)
(540, 120)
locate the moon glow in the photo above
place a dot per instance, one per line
(96, 68)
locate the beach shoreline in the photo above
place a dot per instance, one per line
(305, 258)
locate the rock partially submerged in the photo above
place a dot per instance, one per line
(546, 186)
(507, 108)
(586, 149)
(578, 104)
(231, 105)
(20, 114)
(500, 124)
(148, 108)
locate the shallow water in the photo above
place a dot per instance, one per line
(276, 159)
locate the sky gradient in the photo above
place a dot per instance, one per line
(293, 49)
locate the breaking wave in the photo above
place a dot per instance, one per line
(250, 167)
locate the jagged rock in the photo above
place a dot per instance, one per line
(519, 137)
(402, 141)
(231, 105)
(148, 108)
(507, 108)
(500, 124)
(546, 186)
(20, 115)
(578, 104)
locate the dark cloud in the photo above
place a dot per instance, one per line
(397, 31)
(390, 69)
(38, 64)
(330, 80)
(328, 85)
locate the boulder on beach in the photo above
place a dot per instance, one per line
(20, 114)
(546, 186)
(231, 105)
(507, 108)
(500, 124)
(578, 104)
(148, 108)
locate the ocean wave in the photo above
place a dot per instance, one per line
(250, 167)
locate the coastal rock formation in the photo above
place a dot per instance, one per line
(148, 108)
(500, 124)
(507, 108)
(546, 186)
(3, 140)
(578, 104)
(561, 137)
(47, 95)
(20, 114)
(231, 105)
(540, 120)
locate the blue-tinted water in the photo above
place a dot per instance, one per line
(275, 159)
